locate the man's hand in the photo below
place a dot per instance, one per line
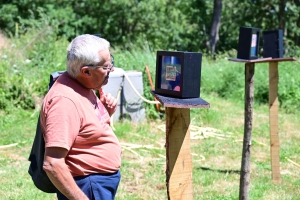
(109, 102)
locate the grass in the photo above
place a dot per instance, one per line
(216, 161)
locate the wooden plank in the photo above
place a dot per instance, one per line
(262, 60)
(259, 60)
(249, 101)
(273, 106)
(178, 154)
(283, 59)
(180, 103)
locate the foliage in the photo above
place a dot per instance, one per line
(261, 14)
(27, 64)
(16, 91)
(122, 22)
(33, 56)
(227, 79)
(159, 24)
(288, 88)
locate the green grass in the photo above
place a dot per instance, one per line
(216, 161)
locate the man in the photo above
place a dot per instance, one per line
(82, 154)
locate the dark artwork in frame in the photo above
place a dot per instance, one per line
(248, 44)
(273, 43)
(178, 74)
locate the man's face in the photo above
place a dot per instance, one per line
(100, 74)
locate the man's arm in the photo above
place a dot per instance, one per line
(59, 173)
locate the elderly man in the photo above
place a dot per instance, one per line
(82, 153)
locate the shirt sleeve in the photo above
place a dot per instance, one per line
(62, 122)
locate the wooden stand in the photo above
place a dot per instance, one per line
(178, 152)
(273, 103)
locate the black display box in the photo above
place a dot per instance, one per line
(248, 45)
(178, 74)
(273, 43)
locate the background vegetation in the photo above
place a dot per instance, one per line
(34, 38)
(159, 24)
(40, 31)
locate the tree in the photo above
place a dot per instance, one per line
(281, 14)
(215, 26)
(187, 25)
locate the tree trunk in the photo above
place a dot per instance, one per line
(249, 102)
(281, 20)
(215, 26)
(281, 15)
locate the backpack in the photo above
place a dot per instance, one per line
(36, 157)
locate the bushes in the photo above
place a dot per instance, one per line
(227, 79)
(13, 87)
(26, 64)
(25, 68)
(289, 86)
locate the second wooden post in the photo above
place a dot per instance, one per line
(274, 136)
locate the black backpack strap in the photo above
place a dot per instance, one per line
(53, 77)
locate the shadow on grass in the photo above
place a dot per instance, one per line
(225, 171)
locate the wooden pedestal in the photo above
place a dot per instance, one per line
(273, 105)
(178, 152)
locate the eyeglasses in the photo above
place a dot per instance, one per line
(107, 67)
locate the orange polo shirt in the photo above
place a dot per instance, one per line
(73, 118)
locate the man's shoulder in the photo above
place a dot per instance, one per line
(69, 89)
(64, 85)
(62, 88)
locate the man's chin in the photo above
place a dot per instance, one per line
(104, 83)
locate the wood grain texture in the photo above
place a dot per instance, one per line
(273, 110)
(262, 60)
(178, 154)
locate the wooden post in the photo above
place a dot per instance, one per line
(273, 105)
(178, 153)
(249, 101)
(273, 117)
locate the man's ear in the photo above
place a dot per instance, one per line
(85, 71)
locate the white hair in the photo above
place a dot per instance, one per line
(84, 50)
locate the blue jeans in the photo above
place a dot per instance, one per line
(97, 186)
